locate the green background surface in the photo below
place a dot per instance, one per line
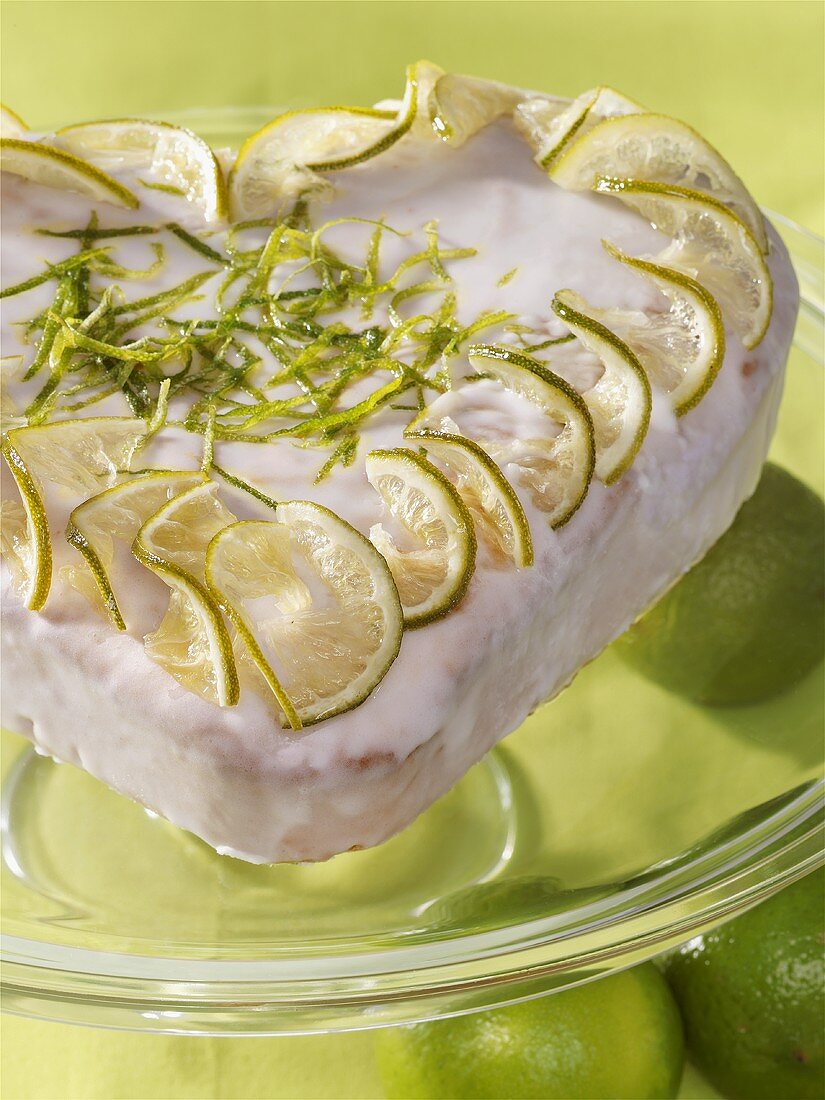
(748, 75)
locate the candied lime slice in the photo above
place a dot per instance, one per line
(682, 348)
(558, 467)
(56, 168)
(319, 655)
(460, 106)
(192, 642)
(620, 401)
(711, 244)
(272, 165)
(549, 125)
(119, 513)
(172, 154)
(432, 577)
(657, 148)
(491, 499)
(11, 124)
(81, 456)
(24, 534)
(284, 159)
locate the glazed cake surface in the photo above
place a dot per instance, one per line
(91, 696)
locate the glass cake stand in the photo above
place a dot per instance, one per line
(617, 821)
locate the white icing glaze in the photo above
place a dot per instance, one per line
(90, 696)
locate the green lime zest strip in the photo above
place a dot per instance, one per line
(347, 418)
(82, 275)
(165, 299)
(54, 271)
(107, 266)
(139, 351)
(101, 234)
(195, 243)
(239, 483)
(344, 454)
(64, 303)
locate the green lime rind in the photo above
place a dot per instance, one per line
(616, 459)
(406, 464)
(37, 523)
(443, 444)
(658, 274)
(76, 538)
(23, 158)
(558, 399)
(750, 323)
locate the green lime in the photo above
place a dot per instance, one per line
(751, 994)
(747, 622)
(618, 1037)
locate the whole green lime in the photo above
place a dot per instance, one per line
(752, 996)
(749, 620)
(617, 1037)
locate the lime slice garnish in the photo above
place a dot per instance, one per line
(710, 244)
(284, 159)
(320, 656)
(620, 401)
(433, 577)
(118, 513)
(459, 106)
(192, 642)
(659, 148)
(171, 154)
(681, 349)
(24, 534)
(491, 499)
(11, 124)
(556, 468)
(81, 456)
(549, 125)
(56, 168)
(272, 166)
